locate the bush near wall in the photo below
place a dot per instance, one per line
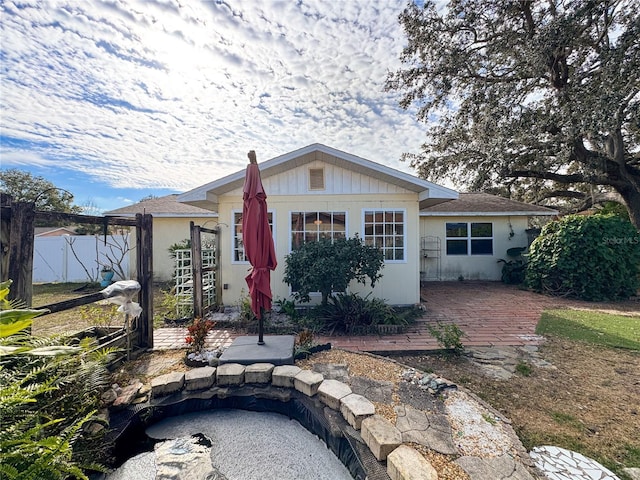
(589, 257)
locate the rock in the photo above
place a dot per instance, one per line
(185, 458)
(632, 473)
(380, 435)
(230, 374)
(405, 463)
(497, 468)
(283, 375)
(307, 382)
(355, 408)
(200, 378)
(258, 373)
(167, 383)
(127, 394)
(331, 391)
(109, 396)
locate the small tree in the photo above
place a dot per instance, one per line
(593, 258)
(327, 266)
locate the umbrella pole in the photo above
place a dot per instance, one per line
(261, 327)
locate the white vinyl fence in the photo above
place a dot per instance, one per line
(78, 258)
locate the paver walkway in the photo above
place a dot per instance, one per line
(489, 314)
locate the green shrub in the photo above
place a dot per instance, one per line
(329, 266)
(449, 336)
(593, 257)
(349, 313)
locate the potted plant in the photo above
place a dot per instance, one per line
(107, 275)
(197, 356)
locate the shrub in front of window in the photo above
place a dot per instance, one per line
(592, 258)
(325, 266)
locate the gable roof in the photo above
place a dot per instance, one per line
(476, 204)
(206, 196)
(166, 206)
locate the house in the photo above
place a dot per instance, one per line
(426, 231)
(53, 231)
(171, 220)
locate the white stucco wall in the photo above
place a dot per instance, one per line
(475, 267)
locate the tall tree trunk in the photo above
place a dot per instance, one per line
(632, 199)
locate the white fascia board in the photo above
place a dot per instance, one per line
(487, 214)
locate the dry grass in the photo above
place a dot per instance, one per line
(589, 403)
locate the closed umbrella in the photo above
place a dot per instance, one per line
(258, 243)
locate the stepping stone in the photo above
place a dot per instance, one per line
(497, 468)
(308, 382)
(406, 463)
(355, 408)
(200, 378)
(167, 383)
(380, 435)
(230, 374)
(560, 463)
(258, 373)
(331, 391)
(283, 375)
(429, 429)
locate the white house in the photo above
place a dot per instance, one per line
(426, 231)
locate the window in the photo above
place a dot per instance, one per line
(238, 246)
(314, 226)
(469, 238)
(385, 229)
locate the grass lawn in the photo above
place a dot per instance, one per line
(598, 328)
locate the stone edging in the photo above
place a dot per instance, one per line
(380, 436)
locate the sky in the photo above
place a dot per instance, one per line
(120, 99)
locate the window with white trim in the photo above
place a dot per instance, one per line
(238, 254)
(469, 238)
(385, 229)
(315, 226)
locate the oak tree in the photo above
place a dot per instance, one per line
(536, 100)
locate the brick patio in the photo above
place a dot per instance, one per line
(489, 314)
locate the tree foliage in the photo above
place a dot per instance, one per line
(24, 187)
(532, 100)
(593, 257)
(327, 266)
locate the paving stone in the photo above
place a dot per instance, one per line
(406, 463)
(331, 391)
(564, 463)
(283, 375)
(380, 435)
(258, 373)
(355, 408)
(167, 383)
(200, 378)
(497, 468)
(429, 429)
(230, 374)
(374, 390)
(333, 371)
(308, 382)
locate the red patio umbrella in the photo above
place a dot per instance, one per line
(258, 242)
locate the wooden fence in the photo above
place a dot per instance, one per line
(17, 220)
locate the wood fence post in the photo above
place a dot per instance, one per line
(196, 270)
(144, 267)
(21, 241)
(5, 231)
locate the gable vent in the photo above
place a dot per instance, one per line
(316, 179)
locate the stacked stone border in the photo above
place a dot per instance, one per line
(259, 379)
(369, 446)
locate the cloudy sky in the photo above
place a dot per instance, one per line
(115, 100)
